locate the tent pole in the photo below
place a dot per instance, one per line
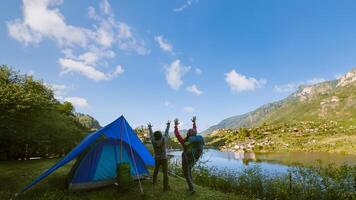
(134, 162)
(115, 153)
(121, 130)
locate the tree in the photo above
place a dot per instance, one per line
(66, 108)
(32, 121)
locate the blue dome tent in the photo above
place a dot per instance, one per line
(98, 155)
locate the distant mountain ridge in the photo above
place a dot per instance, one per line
(245, 120)
(334, 99)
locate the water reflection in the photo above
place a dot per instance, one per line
(233, 161)
(271, 163)
(245, 157)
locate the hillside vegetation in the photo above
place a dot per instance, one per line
(320, 117)
(328, 136)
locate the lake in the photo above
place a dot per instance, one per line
(271, 163)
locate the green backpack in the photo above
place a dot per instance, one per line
(124, 178)
(194, 147)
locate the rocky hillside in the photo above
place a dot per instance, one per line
(326, 136)
(330, 100)
(87, 121)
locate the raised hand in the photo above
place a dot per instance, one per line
(168, 123)
(194, 119)
(149, 125)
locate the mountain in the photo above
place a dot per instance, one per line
(246, 120)
(329, 100)
(87, 121)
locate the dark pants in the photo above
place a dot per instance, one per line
(164, 164)
(187, 165)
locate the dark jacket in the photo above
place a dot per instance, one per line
(160, 146)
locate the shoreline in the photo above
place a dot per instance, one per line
(293, 158)
(283, 151)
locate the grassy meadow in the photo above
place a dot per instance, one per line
(14, 175)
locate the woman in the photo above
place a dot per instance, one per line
(192, 151)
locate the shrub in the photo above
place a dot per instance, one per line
(313, 182)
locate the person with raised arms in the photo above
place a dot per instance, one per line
(193, 145)
(159, 143)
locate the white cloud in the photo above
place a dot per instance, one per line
(194, 89)
(239, 83)
(59, 90)
(128, 42)
(110, 31)
(57, 87)
(291, 87)
(60, 93)
(124, 31)
(118, 70)
(188, 109)
(185, 5)
(167, 103)
(86, 63)
(22, 33)
(41, 20)
(105, 7)
(89, 47)
(198, 71)
(78, 102)
(164, 44)
(70, 65)
(105, 34)
(174, 73)
(92, 13)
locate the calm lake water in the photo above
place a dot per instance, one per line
(272, 163)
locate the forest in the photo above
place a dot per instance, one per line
(33, 122)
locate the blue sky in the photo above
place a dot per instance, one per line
(154, 61)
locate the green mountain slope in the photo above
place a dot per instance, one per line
(330, 100)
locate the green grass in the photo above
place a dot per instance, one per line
(14, 175)
(300, 183)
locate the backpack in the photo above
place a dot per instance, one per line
(195, 146)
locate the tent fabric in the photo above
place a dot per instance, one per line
(117, 130)
(98, 167)
(84, 172)
(100, 163)
(107, 161)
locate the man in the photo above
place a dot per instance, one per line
(159, 143)
(192, 151)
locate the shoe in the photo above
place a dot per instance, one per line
(166, 189)
(191, 191)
